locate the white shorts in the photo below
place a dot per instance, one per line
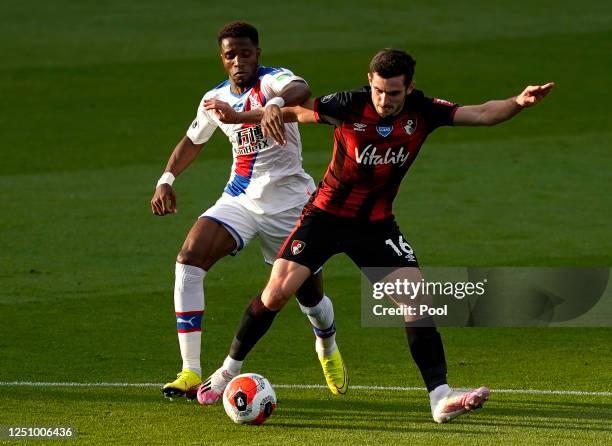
(244, 225)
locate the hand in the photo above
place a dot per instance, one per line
(164, 200)
(223, 110)
(272, 124)
(533, 94)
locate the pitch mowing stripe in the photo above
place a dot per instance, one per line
(300, 386)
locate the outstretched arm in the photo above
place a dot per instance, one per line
(494, 112)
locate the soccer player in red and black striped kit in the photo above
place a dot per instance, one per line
(379, 131)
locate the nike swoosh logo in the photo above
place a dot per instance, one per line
(344, 386)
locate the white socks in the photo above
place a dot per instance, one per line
(321, 317)
(232, 366)
(437, 394)
(189, 308)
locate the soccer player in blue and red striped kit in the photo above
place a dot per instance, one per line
(265, 194)
(379, 131)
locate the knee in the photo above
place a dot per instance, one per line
(191, 257)
(275, 296)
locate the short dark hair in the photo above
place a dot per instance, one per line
(239, 29)
(390, 62)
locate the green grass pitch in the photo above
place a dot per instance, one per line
(94, 95)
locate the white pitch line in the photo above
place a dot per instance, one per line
(300, 386)
(72, 384)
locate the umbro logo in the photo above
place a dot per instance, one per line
(359, 127)
(297, 246)
(326, 99)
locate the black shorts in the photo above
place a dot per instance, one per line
(320, 235)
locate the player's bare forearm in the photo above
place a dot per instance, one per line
(182, 156)
(304, 114)
(249, 117)
(228, 115)
(300, 113)
(164, 197)
(271, 118)
(494, 112)
(489, 113)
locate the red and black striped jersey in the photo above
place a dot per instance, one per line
(372, 154)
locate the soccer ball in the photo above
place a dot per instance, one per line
(249, 399)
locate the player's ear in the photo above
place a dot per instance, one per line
(411, 86)
(258, 52)
(370, 79)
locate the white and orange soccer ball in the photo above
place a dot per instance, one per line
(249, 399)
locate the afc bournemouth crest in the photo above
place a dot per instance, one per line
(410, 126)
(297, 246)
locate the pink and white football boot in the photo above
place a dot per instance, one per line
(211, 390)
(458, 402)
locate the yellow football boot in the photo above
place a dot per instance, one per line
(185, 384)
(335, 372)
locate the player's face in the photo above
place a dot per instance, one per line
(388, 95)
(240, 59)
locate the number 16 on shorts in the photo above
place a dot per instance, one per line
(401, 248)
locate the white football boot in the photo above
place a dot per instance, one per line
(211, 390)
(458, 402)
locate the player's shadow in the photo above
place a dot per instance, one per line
(389, 415)
(554, 415)
(392, 413)
(599, 406)
(323, 425)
